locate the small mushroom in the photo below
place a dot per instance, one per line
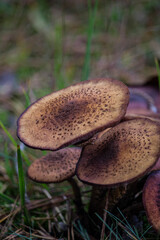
(151, 199)
(122, 154)
(73, 114)
(57, 167)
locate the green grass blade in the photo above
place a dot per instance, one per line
(22, 185)
(6, 198)
(9, 169)
(158, 71)
(28, 102)
(127, 223)
(8, 134)
(92, 16)
(82, 231)
(110, 229)
(142, 236)
(14, 142)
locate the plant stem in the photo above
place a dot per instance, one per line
(22, 186)
(77, 197)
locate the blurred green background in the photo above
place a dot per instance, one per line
(47, 45)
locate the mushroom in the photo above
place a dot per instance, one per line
(151, 199)
(121, 155)
(56, 167)
(73, 114)
(141, 105)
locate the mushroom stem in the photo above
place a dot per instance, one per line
(97, 202)
(77, 196)
(96, 206)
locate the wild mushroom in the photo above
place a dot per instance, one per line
(73, 114)
(56, 167)
(151, 199)
(141, 105)
(121, 155)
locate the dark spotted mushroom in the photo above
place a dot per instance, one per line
(122, 154)
(151, 199)
(56, 167)
(73, 114)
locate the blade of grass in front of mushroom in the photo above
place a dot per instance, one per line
(90, 31)
(158, 71)
(22, 188)
(9, 169)
(14, 142)
(112, 232)
(124, 225)
(81, 230)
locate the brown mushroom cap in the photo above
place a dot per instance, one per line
(92, 139)
(151, 199)
(56, 166)
(73, 114)
(122, 154)
(153, 117)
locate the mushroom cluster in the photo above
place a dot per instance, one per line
(113, 149)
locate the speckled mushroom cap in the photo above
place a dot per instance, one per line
(56, 166)
(92, 139)
(122, 154)
(73, 114)
(151, 199)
